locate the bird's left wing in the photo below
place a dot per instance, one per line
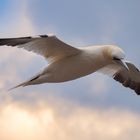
(48, 46)
(128, 78)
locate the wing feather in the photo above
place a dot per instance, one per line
(130, 79)
(48, 46)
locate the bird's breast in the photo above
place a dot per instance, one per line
(74, 67)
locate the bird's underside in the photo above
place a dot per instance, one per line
(56, 50)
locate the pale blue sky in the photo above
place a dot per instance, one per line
(81, 23)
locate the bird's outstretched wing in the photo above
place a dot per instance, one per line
(128, 78)
(48, 46)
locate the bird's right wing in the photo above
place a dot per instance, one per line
(48, 46)
(129, 78)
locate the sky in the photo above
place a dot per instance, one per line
(92, 107)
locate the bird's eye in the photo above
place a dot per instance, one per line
(115, 58)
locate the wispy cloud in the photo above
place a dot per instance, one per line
(17, 25)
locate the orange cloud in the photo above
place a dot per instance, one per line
(64, 121)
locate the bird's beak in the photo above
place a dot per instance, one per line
(123, 63)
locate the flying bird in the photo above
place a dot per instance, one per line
(68, 63)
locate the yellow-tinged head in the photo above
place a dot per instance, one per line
(115, 54)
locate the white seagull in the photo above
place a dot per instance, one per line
(68, 63)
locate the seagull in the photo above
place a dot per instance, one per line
(68, 63)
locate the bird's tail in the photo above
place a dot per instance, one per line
(26, 83)
(19, 85)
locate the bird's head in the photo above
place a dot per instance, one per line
(115, 54)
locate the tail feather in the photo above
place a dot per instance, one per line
(26, 83)
(20, 85)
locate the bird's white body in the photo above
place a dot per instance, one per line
(89, 60)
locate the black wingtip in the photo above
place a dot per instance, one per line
(43, 36)
(137, 90)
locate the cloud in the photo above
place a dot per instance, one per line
(13, 62)
(17, 24)
(24, 26)
(58, 119)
